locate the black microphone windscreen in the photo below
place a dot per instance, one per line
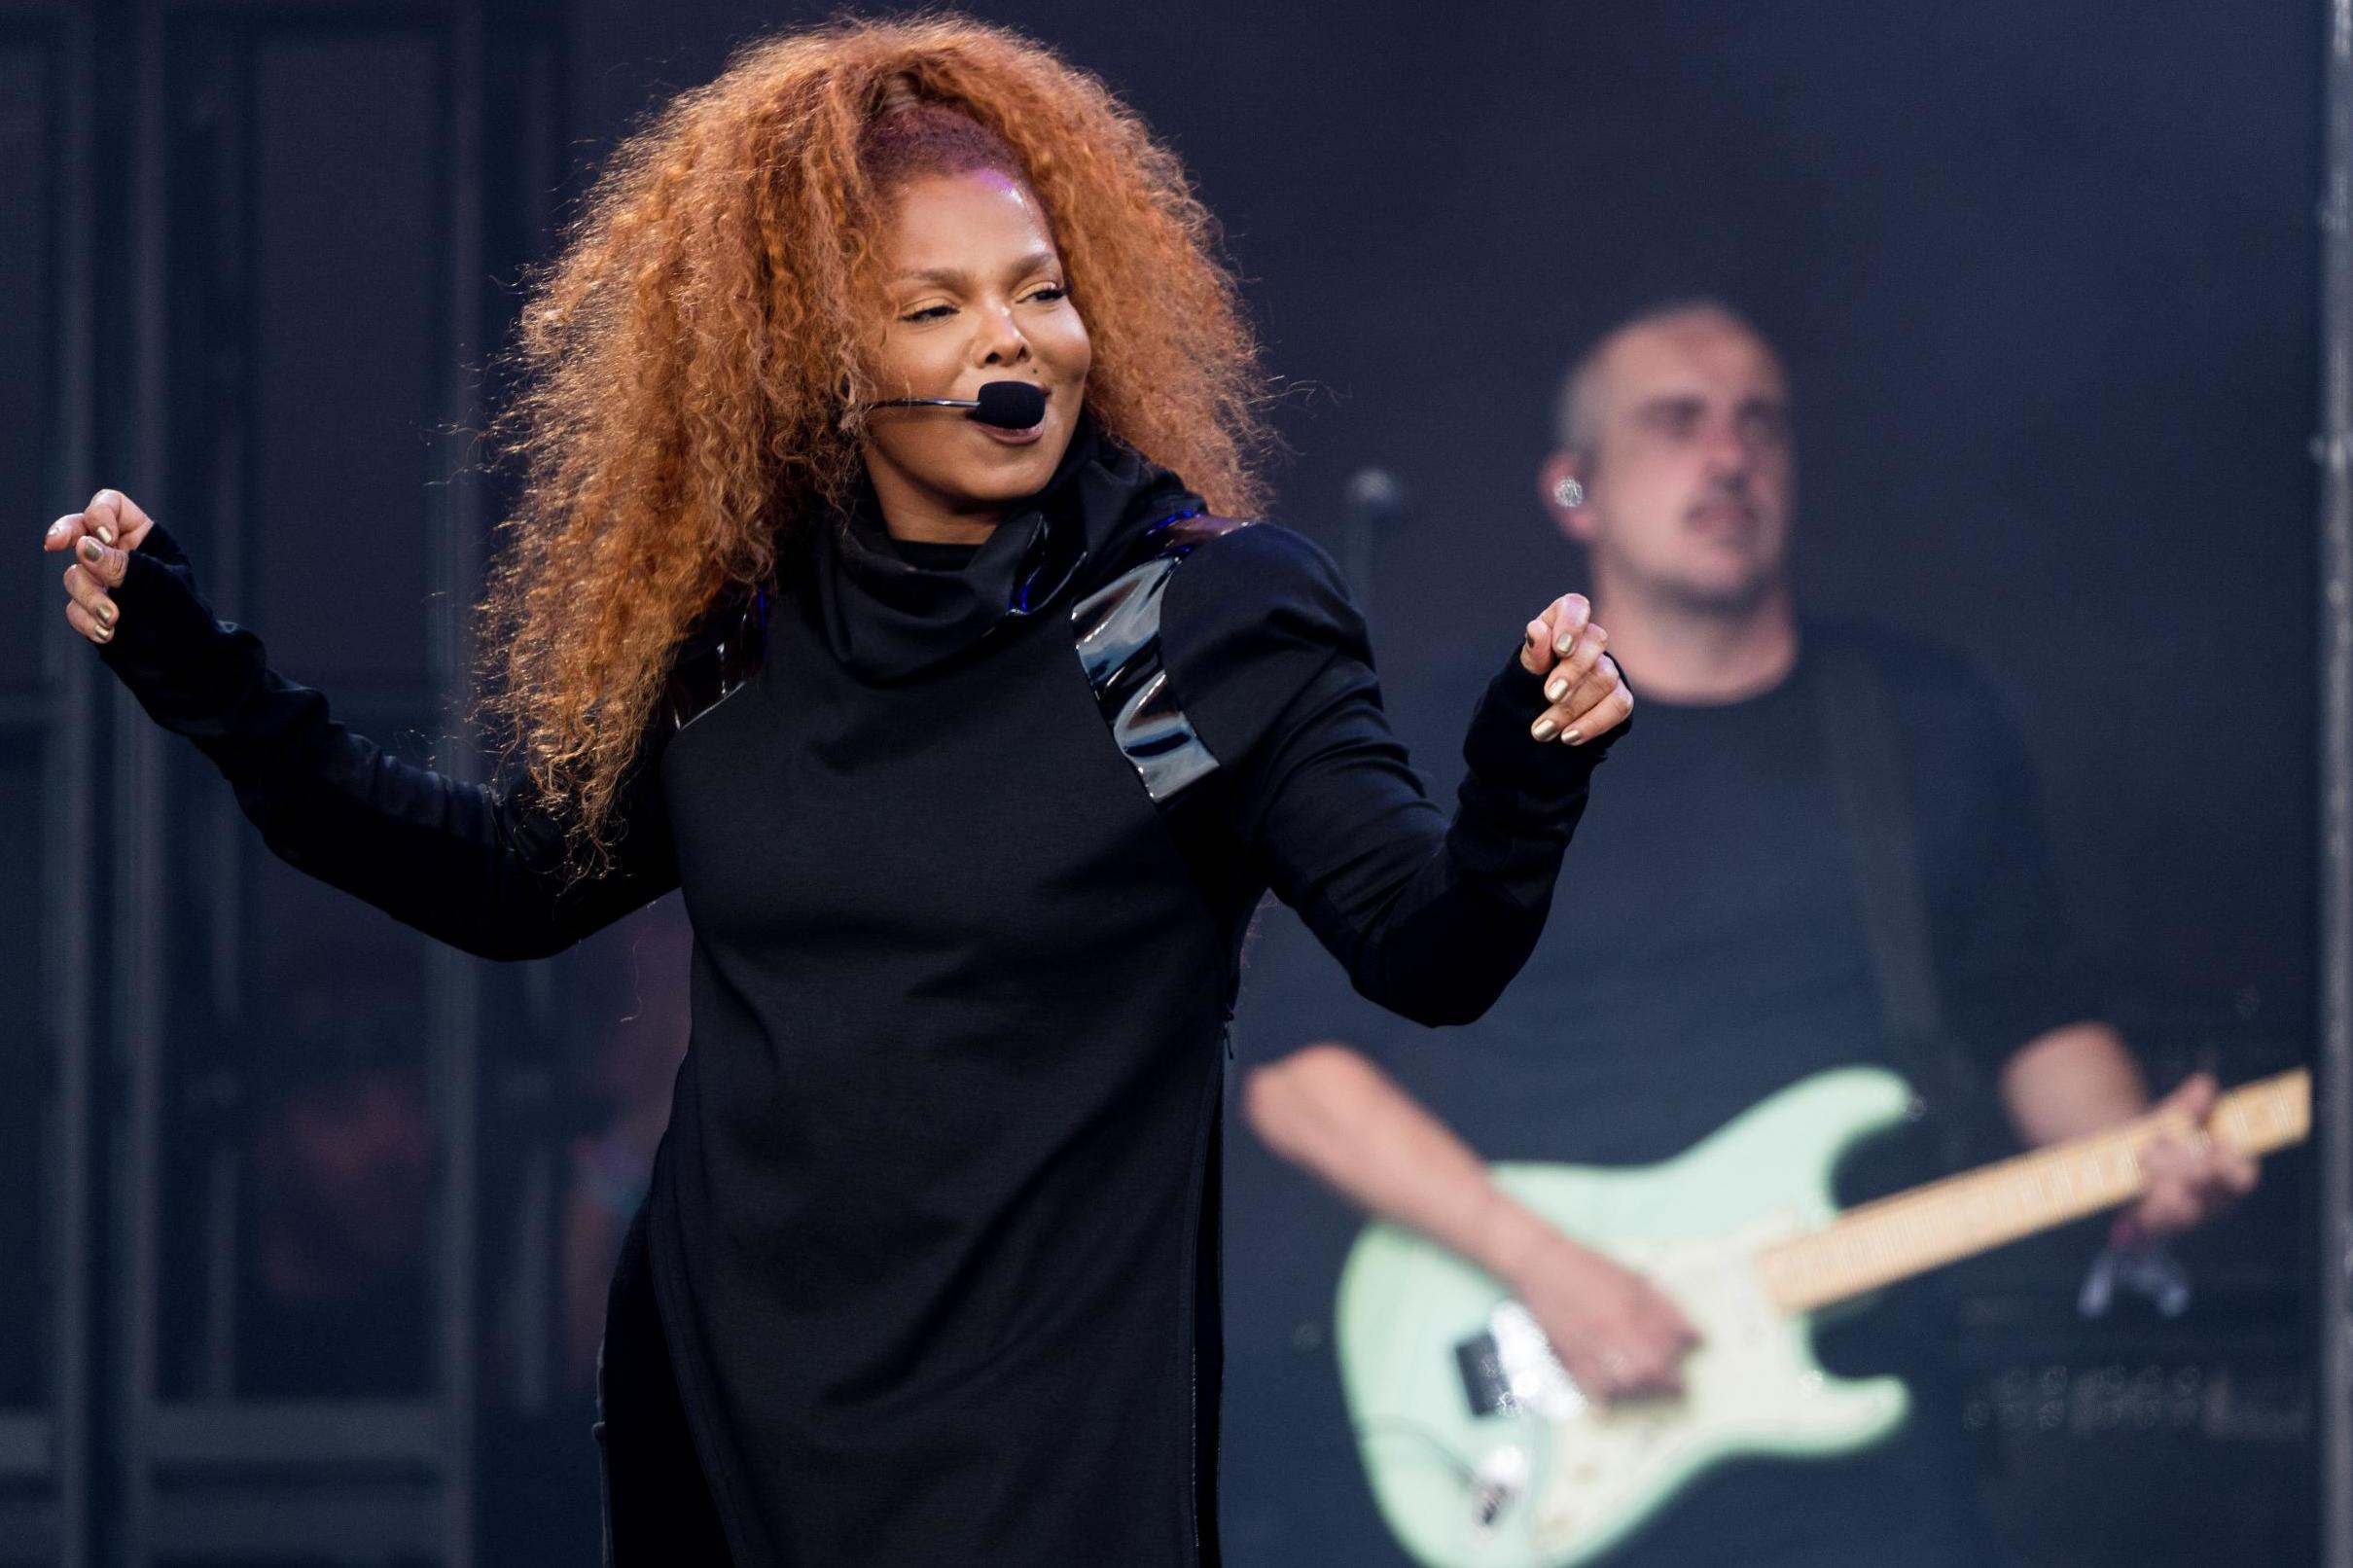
(1010, 405)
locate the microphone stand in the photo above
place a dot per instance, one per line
(1373, 502)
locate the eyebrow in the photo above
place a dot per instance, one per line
(1680, 402)
(954, 277)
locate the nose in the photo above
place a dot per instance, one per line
(1729, 453)
(1001, 342)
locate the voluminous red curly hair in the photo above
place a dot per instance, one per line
(692, 362)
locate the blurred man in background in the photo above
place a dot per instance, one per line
(1748, 946)
(340, 1160)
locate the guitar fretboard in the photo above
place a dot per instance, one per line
(1876, 1244)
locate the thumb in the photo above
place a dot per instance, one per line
(117, 519)
(105, 563)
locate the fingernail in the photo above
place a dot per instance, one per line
(106, 535)
(91, 550)
(1564, 642)
(1574, 737)
(1558, 689)
(106, 613)
(106, 634)
(1544, 729)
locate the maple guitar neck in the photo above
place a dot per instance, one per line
(1910, 1232)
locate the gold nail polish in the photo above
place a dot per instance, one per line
(1545, 728)
(1573, 737)
(1564, 642)
(1558, 689)
(106, 613)
(106, 535)
(91, 550)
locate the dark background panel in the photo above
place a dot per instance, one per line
(27, 1127)
(29, 160)
(350, 346)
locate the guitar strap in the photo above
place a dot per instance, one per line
(1874, 803)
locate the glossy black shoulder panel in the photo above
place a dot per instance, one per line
(1118, 631)
(726, 652)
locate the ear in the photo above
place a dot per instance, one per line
(1576, 522)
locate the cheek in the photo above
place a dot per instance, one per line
(1066, 348)
(910, 363)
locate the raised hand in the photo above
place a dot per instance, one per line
(100, 538)
(1587, 695)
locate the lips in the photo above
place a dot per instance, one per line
(1023, 437)
(1723, 518)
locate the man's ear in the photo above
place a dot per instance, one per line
(1560, 485)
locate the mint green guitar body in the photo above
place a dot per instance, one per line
(1480, 1452)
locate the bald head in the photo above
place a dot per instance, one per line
(1577, 425)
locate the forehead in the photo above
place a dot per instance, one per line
(1701, 355)
(962, 222)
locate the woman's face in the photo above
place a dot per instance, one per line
(977, 295)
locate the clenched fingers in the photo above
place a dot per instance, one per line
(1552, 634)
(1595, 705)
(86, 593)
(89, 627)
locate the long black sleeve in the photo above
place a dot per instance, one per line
(480, 869)
(1432, 917)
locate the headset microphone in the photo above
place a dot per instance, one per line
(1006, 404)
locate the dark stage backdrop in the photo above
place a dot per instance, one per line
(2044, 275)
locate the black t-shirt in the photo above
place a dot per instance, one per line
(1705, 950)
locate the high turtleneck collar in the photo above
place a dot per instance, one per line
(887, 618)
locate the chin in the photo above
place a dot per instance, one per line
(1725, 596)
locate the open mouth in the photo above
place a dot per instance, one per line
(1014, 437)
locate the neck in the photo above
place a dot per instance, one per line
(911, 510)
(1681, 652)
(938, 525)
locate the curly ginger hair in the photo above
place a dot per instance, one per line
(692, 362)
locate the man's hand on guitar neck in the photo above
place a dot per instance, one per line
(1329, 1110)
(2080, 1079)
(2191, 1181)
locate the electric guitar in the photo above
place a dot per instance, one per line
(1483, 1454)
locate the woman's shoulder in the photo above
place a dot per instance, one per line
(1253, 614)
(1243, 570)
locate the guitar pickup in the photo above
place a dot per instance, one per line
(1510, 1370)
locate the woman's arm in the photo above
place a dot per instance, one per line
(1432, 916)
(479, 869)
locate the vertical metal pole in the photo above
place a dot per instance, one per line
(136, 974)
(69, 770)
(2333, 1112)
